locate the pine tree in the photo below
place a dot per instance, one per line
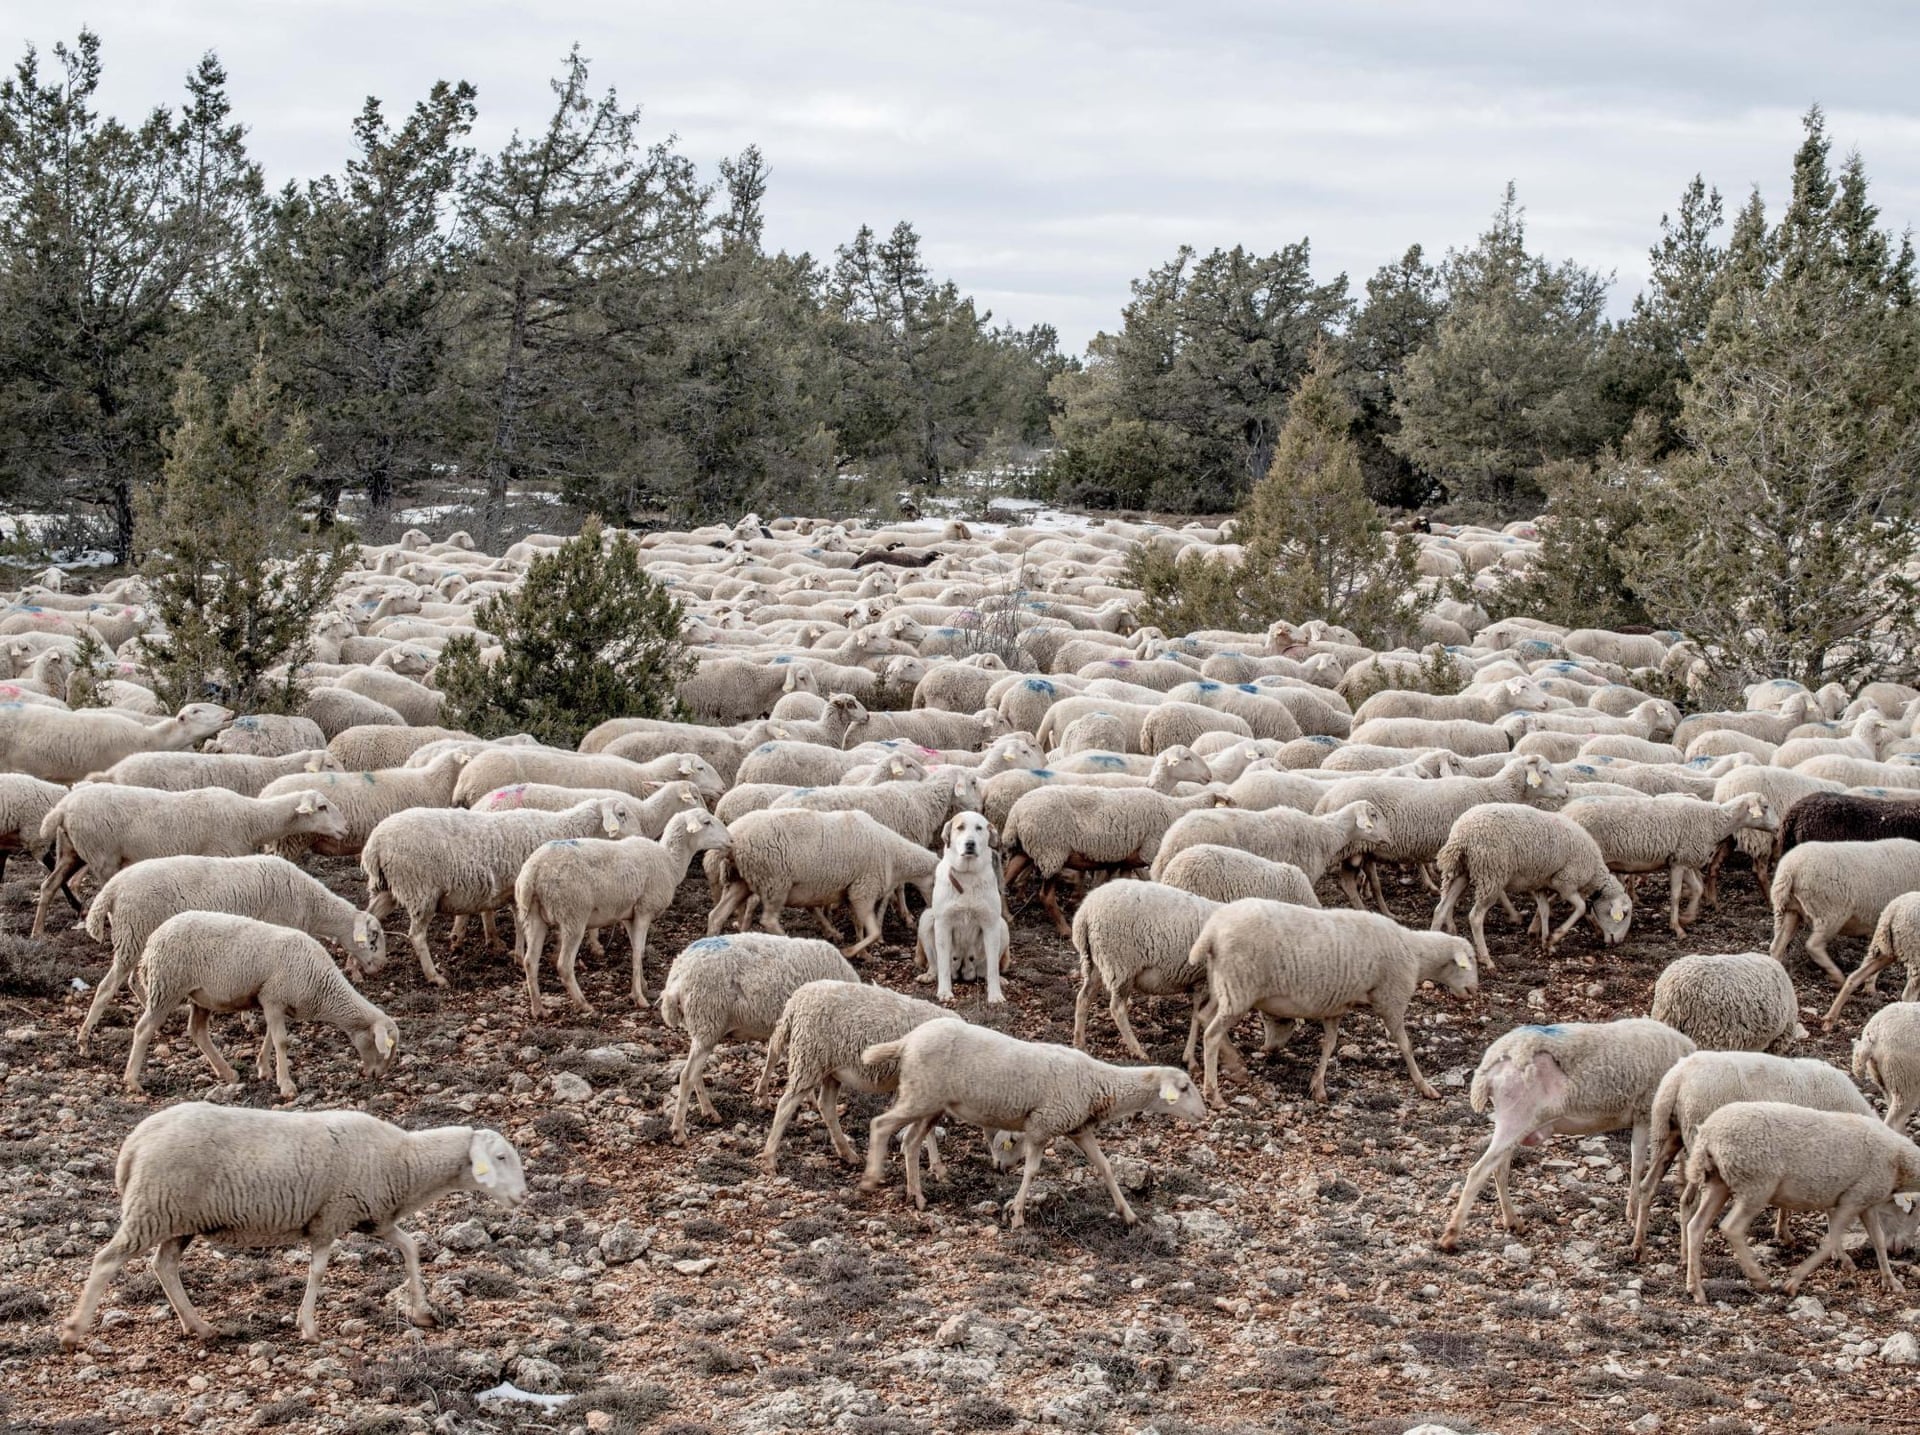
(1405, 303)
(237, 570)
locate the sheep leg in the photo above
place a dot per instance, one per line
(772, 900)
(1351, 880)
(106, 1265)
(637, 928)
(1709, 1204)
(308, 1326)
(56, 881)
(1900, 1106)
(867, 909)
(1786, 924)
(109, 984)
(729, 901)
(783, 1115)
(417, 925)
(1477, 926)
(567, 961)
(1817, 938)
(689, 1083)
(1396, 1025)
(143, 1033)
(1649, 1185)
(1509, 1218)
(1542, 917)
(535, 926)
(1050, 900)
(1839, 1222)
(824, 921)
(418, 1311)
(1097, 1158)
(1734, 1227)
(1518, 1099)
(277, 1035)
(199, 1028)
(1083, 1009)
(490, 932)
(1329, 1034)
(166, 1270)
(883, 1129)
(1506, 905)
(1117, 1008)
(1450, 896)
(827, 1098)
(910, 1141)
(1676, 883)
(1638, 1140)
(1870, 1218)
(936, 1168)
(1034, 1151)
(1579, 910)
(1863, 975)
(1697, 888)
(1218, 1025)
(459, 932)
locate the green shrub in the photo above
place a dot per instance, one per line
(587, 637)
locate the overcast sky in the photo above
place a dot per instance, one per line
(1050, 151)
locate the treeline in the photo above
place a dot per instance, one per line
(582, 311)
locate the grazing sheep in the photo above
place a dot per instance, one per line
(131, 905)
(1838, 889)
(1503, 848)
(1887, 1053)
(822, 1031)
(807, 764)
(838, 716)
(1736, 1001)
(1896, 938)
(244, 1178)
(55, 745)
(1415, 816)
(1700, 1084)
(578, 887)
(431, 860)
(932, 728)
(366, 799)
(722, 750)
(101, 828)
(735, 988)
(1295, 964)
(1039, 1090)
(218, 962)
(24, 804)
(797, 858)
(1570, 1078)
(186, 771)
(1768, 1153)
(1227, 874)
(1311, 843)
(1052, 829)
(1681, 835)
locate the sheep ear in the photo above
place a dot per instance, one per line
(691, 821)
(896, 767)
(304, 806)
(383, 1042)
(1533, 778)
(1904, 1202)
(1169, 1092)
(485, 1174)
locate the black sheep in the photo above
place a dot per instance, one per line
(1846, 817)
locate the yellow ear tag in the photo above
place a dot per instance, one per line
(1460, 961)
(1533, 779)
(482, 1167)
(1905, 1203)
(1169, 1093)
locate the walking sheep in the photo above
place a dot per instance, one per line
(1767, 1153)
(1506, 848)
(1838, 889)
(1295, 964)
(136, 900)
(1570, 1078)
(1037, 1090)
(60, 746)
(244, 1178)
(1680, 835)
(217, 962)
(366, 799)
(734, 989)
(24, 804)
(578, 887)
(1226, 874)
(1887, 1053)
(1896, 938)
(1136, 938)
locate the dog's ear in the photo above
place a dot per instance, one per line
(946, 831)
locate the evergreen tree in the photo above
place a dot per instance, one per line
(1507, 381)
(1314, 544)
(1782, 536)
(1405, 303)
(237, 570)
(586, 637)
(121, 251)
(362, 266)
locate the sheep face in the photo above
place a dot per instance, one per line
(708, 832)
(377, 1044)
(1178, 1096)
(368, 947)
(1612, 912)
(317, 815)
(619, 818)
(493, 1166)
(203, 720)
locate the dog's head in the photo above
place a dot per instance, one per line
(968, 838)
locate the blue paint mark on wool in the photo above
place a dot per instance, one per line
(710, 944)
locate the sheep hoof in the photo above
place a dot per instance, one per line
(1449, 1241)
(1426, 1089)
(869, 1184)
(424, 1318)
(69, 1336)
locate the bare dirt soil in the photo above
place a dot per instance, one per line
(1283, 1276)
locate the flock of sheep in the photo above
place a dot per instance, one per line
(965, 717)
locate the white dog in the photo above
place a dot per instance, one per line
(966, 922)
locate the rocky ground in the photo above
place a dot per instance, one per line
(1283, 1276)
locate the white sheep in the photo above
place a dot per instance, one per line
(1038, 1090)
(1734, 1001)
(1136, 938)
(1569, 1078)
(1508, 848)
(1700, 1084)
(1896, 938)
(1887, 1053)
(1768, 1153)
(1226, 874)
(24, 804)
(1280, 834)
(807, 764)
(244, 1178)
(653, 813)
(335, 709)
(60, 746)
(576, 887)
(734, 988)
(101, 828)
(367, 749)
(1296, 964)
(1460, 735)
(432, 860)
(1838, 889)
(217, 962)
(1053, 828)
(502, 766)
(133, 903)
(366, 799)
(797, 858)
(267, 735)
(916, 810)
(185, 771)
(821, 1033)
